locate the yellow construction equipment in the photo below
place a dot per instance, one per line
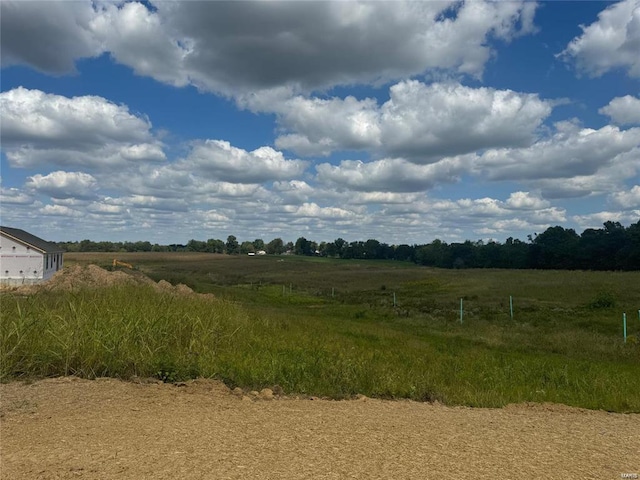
(122, 264)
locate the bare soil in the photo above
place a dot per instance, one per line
(109, 429)
(78, 277)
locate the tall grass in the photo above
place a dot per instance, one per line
(316, 345)
(115, 331)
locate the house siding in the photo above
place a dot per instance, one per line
(23, 265)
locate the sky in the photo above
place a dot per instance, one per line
(399, 121)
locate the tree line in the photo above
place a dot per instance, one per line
(613, 247)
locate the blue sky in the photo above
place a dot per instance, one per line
(399, 121)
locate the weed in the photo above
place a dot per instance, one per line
(603, 299)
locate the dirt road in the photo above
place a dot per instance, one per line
(107, 429)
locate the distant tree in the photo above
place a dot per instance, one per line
(608, 248)
(70, 246)
(616, 240)
(488, 255)
(612, 247)
(514, 254)
(330, 250)
(196, 246)
(105, 246)
(555, 248)
(215, 245)
(630, 253)
(463, 254)
(354, 250)
(275, 247)
(159, 248)
(405, 253)
(232, 246)
(143, 246)
(386, 251)
(303, 247)
(247, 247)
(87, 246)
(435, 254)
(593, 250)
(371, 249)
(340, 244)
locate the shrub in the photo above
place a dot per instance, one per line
(603, 300)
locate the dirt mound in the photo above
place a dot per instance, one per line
(90, 276)
(77, 277)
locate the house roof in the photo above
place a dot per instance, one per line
(30, 240)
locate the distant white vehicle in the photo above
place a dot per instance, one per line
(261, 252)
(251, 254)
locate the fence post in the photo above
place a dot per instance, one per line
(624, 326)
(511, 306)
(461, 311)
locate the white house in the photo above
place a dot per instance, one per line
(25, 258)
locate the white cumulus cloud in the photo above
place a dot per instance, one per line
(60, 211)
(62, 185)
(628, 198)
(570, 154)
(49, 36)
(313, 210)
(420, 122)
(426, 121)
(41, 128)
(238, 47)
(526, 201)
(391, 175)
(219, 160)
(612, 42)
(14, 196)
(623, 110)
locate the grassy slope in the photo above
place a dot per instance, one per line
(276, 321)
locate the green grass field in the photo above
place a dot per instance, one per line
(330, 328)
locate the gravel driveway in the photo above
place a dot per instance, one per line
(68, 428)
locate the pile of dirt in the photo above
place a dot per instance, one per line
(77, 277)
(91, 276)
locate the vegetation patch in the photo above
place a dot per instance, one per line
(604, 299)
(265, 327)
